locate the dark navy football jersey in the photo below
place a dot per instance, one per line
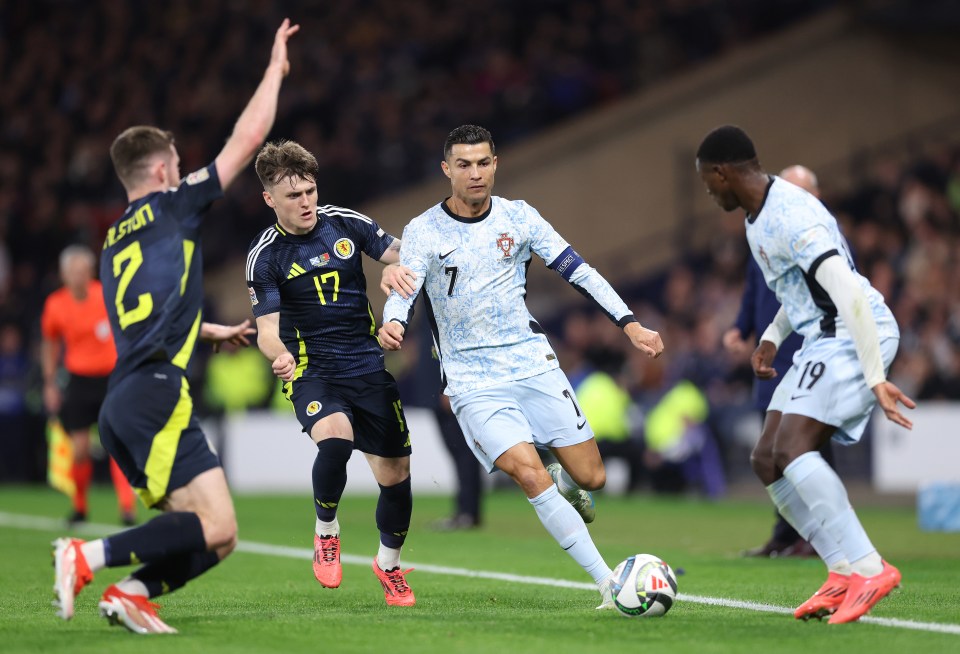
(151, 274)
(317, 284)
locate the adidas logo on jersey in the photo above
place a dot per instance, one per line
(295, 270)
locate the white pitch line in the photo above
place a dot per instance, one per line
(39, 523)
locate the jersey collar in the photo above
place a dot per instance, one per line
(462, 219)
(753, 218)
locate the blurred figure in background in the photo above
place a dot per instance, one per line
(75, 325)
(14, 437)
(469, 481)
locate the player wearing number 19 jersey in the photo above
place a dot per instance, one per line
(470, 254)
(838, 375)
(309, 294)
(150, 269)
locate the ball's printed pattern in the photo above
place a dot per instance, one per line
(644, 586)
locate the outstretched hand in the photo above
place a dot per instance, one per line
(391, 335)
(735, 344)
(233, 334)
(887, 396)
(279, 53)
(398, 278)
(762, 360)
(645, 340)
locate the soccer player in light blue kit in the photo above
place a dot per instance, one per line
(469, 255)
(838, 375)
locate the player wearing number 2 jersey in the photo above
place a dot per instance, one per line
(309, 294)
(838, 375)
(150, 268)
(470, 255)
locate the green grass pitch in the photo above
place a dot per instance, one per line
(264, 598)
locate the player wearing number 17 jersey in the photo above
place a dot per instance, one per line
(838, 375)
(150, 269)
(470, 255)
(314, 322)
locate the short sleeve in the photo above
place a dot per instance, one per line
(263, 285)
(808, 245)
(373, 240)
(194, 195)
(49, 321)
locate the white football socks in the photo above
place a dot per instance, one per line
(794, 511)
(825, 496)
(95, 555)
(132, 586)
(568, 529)
(388, 558)
(331, 528)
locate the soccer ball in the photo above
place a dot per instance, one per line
(643, 586)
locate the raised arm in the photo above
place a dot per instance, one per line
(254, 124)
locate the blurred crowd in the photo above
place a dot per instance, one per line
(378, 84)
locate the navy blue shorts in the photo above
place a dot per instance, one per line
(82, 399)
(147, 425)
(371, 403)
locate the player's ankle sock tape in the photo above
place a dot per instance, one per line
(394, 508)
(168, 575)
(169, 534)
(330, 476)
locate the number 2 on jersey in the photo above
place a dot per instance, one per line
(132, 256)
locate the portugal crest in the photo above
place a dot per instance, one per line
(505, 243)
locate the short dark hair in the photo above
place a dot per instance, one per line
(467, 135)
(131, 149)
(281, 159)
(726, 144)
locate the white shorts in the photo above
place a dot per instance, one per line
(826, 383)
(541, 410)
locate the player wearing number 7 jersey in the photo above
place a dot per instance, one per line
(309, 294)
(470, 255)
(838, 375)
(151, 274)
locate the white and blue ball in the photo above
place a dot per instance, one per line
(643, 586)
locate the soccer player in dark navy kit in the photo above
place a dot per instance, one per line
(151, 274)
(315, 324)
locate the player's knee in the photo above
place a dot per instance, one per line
(220, 534)
(782, 457)
(531, 480)
(763, 465)
(595, 480)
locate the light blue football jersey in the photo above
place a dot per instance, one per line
(473, 273)
(790, 236)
